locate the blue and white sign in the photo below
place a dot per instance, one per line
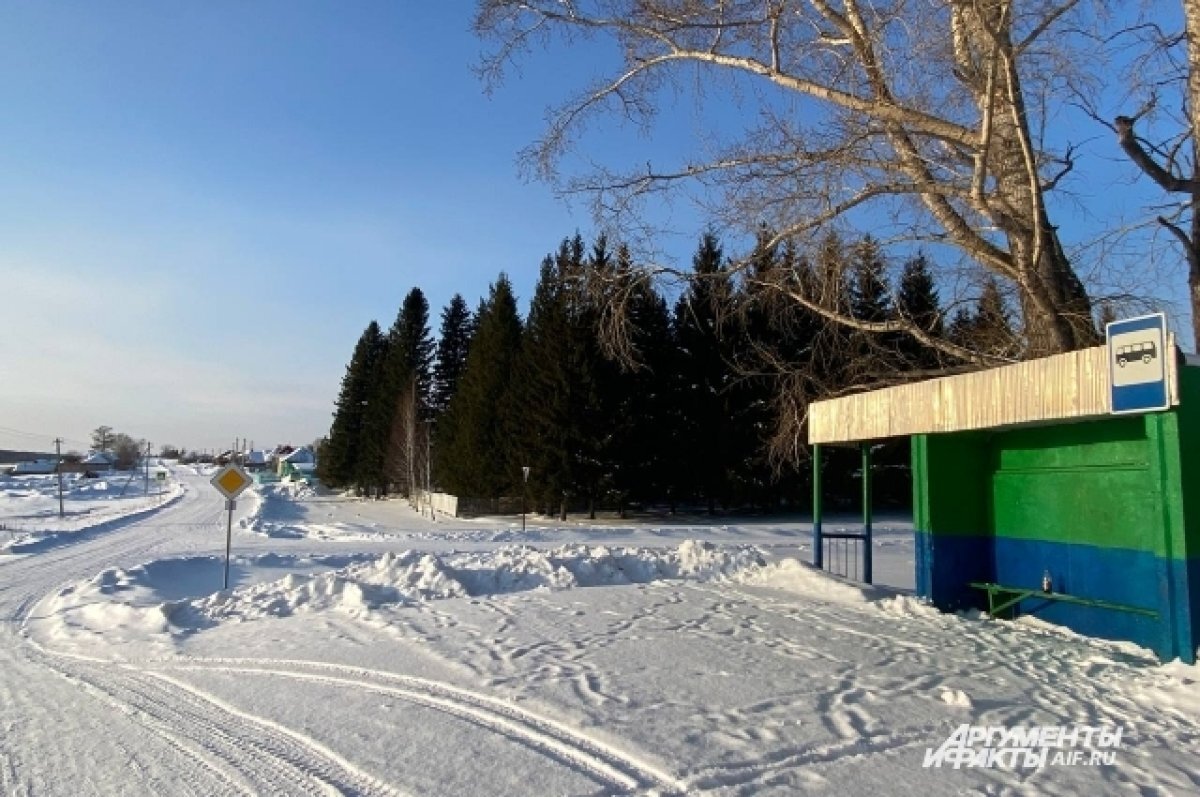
(1137, 364)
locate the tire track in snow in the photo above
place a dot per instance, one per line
(190, 750)
(251, 755)
(8, 775)
(221, 751)
(608, 765)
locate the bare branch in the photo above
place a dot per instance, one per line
(1133, 148)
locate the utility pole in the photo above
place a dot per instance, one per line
(146, 468)
(58, 468)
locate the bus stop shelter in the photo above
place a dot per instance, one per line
(1031, 497)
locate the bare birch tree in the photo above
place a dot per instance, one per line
(933, 111)
(1172, 158)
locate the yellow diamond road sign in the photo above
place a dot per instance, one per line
(231, 480)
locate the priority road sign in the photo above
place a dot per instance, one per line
(1137, 364)
(231, 480)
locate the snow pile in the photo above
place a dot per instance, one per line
(792, 575)
(296, 488)
(908, 606)
(178, 593)
(392, 578)
(278, 512)
(253, 521)
(121, 605)
(416, 576)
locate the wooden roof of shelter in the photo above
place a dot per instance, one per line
(1069, 386)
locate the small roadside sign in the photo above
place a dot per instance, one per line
(1137, 364)
(231, 480)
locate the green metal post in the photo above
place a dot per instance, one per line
(818, 542)
(867, 479)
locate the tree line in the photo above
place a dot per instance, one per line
(695, 402)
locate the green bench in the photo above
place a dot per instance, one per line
(998, 603)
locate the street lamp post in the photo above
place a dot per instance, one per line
(524, 492)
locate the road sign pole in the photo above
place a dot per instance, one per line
(229, 505)
(230, 481)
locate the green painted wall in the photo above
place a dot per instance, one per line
(1189, 447)
(1085, 483)
(1110, 508)
(953, 497)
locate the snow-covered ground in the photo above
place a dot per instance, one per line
(363, 649)
(30, 513)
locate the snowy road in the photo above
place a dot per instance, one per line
(70, 725)
(342, 664)
(75, 723)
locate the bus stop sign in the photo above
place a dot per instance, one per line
(1137, 364)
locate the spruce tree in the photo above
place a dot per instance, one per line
(873, 354)
(758, 351)
(471, 451)
(452, 347)
(988, 329)
(593, 375)
(993, 324)
(558, 405)
(917, 302)
(701, 321)
(399, 400)
(962, 327)
(832, 343)
(369, 469)
(409, 376)
(869, 298)
(540, 401)
(340, 452)
(638, 395)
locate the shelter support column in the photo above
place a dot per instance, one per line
(818, 542)
(867, 479)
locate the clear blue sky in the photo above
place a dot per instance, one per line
(203, 204)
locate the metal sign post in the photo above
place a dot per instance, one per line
(524, 491)
(230, 481)
(230, 505)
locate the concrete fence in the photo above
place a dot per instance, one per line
(442, 503)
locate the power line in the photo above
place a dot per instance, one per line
(37, 436)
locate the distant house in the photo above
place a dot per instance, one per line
(256, 460)
(300, 463)
(8, 457)
(38, 467)
(99, 462)
(278, 454)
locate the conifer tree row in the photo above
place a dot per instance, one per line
(704, 415)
